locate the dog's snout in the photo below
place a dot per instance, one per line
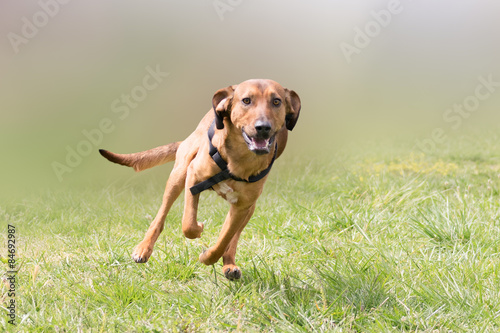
(262, 127)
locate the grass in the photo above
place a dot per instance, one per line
(378, 239)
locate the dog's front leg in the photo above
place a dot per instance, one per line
(190, 226)
(229, 268)
(235, 222)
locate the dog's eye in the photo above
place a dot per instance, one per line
(276, 102)
(246, 100)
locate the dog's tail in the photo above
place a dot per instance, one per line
(144, 159)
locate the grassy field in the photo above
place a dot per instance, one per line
(375, 238)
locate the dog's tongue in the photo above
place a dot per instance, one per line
(259, 143)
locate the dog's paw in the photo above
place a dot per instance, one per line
(232, 272)
(208, 258)
(193, 231)
(141, 253)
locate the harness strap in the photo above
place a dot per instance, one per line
(225, 174)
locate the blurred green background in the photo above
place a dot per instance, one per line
(63, 65)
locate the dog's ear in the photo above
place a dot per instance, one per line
(292, 109)
(221, 103)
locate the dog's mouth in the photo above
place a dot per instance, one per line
(259, 146)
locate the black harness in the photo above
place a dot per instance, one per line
(225, 174)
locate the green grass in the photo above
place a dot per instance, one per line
(375, 239)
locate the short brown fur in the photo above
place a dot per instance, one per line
(272, 106)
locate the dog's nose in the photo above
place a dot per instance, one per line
(262, 127)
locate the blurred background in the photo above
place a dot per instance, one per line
(126, 75)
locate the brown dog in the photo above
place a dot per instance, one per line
(242, 135)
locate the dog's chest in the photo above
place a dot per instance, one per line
(227, 192)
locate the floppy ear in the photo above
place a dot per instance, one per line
(292, 109)
(221, 103)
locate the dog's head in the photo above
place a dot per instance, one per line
(259, 109)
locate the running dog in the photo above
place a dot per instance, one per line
(231, 152)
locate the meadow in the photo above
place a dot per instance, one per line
(377, 237)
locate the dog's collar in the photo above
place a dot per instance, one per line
(225, 174)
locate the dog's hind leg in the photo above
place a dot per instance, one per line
(175, 184)
(173, 189)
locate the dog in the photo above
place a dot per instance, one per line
(231, 152)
